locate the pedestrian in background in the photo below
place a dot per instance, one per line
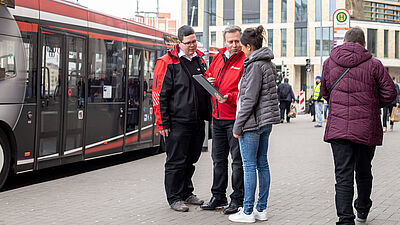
(318, 101)
(285, 98)
(354, 128)
(326, 108)
(224, 73)
(181, 105)
(257, 111)
(387, 110)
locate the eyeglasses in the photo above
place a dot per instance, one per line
(190, 43)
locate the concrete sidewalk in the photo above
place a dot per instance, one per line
(302, 188)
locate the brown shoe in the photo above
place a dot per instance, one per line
(194, 200)
(179, 206)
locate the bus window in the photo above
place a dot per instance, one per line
(7, 59)
(134, 68)
(30, 42)
(106, 71)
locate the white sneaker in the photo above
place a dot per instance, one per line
(260, 215)
(384, 129)
(242, 217)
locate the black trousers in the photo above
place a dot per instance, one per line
(223, 144)
(183, 147)
(387, 110)
(285, 106)
(350, 157)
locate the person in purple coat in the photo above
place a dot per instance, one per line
(354, 127)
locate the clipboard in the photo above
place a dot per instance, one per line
(207, 85)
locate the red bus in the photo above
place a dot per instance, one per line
(75, 84)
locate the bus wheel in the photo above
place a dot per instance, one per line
(5, 158)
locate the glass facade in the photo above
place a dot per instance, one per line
(300, 10)
(332, 8)
(213, 41)
(300, 42)
(318, 10)
(250, 11)
(193, 6)
(229, 12)
(270, 39)
(213, 12)
(327, 38)
(396, 44)
(383, 12)
(270, 11)
(371, 41)
(283, 41)
(385, 43)
(283, 11)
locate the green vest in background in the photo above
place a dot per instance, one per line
(316, 92)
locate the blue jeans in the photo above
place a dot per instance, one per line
(254, 148)
(318, 112)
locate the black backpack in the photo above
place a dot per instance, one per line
(284, 91)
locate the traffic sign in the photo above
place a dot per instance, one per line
(341, 24)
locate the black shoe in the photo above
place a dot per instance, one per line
(361, 217)
(214, 203)
(232, 208)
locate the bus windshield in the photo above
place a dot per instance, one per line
(7, 59)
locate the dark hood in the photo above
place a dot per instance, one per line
(260, 54)
(350, 55)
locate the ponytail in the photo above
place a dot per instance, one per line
(253, 36)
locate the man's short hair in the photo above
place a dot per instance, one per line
(184, 31)
(355, 35)
(286, 80)
(232, 29)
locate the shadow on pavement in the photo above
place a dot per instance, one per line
(15, 181)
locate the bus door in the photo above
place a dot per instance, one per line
(148, 118)
(134, 113)
(62, 95)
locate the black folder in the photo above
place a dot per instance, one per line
(207, 85)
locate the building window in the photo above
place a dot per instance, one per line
(396, 45)
(332, 8)
(270, 11)
(300, 10)
(271, 39)
(284, 11)
(213, 12)
(326, 40)
(199, 36)
(371, 41)
(300, 43)
(385, 43)
(283, 42)
(193, 6)
(229, 12)
(318, 8)
(250, 11)
(213, 41)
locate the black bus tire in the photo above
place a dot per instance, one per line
(5, 158)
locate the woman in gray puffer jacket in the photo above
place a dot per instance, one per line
(257, 110)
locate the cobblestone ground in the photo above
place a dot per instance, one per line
(302, 188)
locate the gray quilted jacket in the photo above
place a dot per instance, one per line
(258, 99)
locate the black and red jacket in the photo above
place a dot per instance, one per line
(175, 98)
(227, 73)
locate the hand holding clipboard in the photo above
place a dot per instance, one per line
(210, 87)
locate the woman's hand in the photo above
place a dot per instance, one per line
(236, 136)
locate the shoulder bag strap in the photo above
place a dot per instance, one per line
(338, 79)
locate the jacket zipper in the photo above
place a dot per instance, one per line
(216, 101)
(223, 75)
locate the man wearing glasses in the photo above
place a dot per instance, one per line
(181, 105)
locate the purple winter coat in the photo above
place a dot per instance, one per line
(355, 102)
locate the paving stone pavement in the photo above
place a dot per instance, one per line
(302, 188)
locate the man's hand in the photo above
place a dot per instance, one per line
(165, 132)
(211, 80)
(236, 136)
(221, 99)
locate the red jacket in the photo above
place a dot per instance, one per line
(227, 74)
(174, 94)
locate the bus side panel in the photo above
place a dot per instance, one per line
(25, 137)
(104, 129)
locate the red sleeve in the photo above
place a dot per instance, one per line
(159, 75)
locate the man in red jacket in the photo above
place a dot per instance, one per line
(354, 128)
(181, 105)
(225, 73)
